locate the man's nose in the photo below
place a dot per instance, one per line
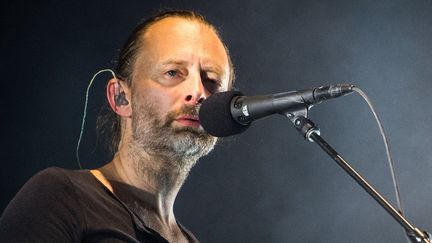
(195, 91)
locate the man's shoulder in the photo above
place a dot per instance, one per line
(59, 174)
(48, 198)
(51, 174)
(66, 184)
(53, 184)
(63, 205)
(58, 178)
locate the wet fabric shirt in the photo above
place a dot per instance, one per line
(58, 205)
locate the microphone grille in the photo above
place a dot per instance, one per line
(215, 115)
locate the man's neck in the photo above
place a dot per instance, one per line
(146, 182)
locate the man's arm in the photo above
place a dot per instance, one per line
(46, 209)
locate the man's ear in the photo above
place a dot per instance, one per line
(118, 96)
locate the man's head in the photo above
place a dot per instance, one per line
(169, 65)
(130, 50)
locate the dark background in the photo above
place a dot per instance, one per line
(268, 184)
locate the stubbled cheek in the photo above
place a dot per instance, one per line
(163, 101)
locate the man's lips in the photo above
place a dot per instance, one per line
(189, 120)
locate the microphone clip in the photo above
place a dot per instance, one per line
(300, 121)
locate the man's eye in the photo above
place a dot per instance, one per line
(211, 81)
(172, 73)
(212, 85)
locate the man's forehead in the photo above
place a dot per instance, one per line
(174, 35)
(174, 25)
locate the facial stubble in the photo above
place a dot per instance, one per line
(178, 147)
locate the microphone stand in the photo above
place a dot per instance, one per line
(309, 131)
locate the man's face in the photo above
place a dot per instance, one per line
(181, 63)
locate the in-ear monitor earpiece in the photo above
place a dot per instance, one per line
(119, 97)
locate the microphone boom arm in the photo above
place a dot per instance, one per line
(311, 132)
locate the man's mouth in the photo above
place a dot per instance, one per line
(189, 120)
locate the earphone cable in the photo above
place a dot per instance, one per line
(85, 111)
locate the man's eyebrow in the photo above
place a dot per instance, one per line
(214, 69)
(205, 68)
(174, 61)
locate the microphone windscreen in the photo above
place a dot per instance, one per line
(215, 115)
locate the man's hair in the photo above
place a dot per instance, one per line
(108, 124)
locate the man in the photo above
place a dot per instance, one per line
(169, 65)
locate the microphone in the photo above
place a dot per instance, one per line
(228, 113)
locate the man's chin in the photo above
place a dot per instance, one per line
(193, 140)
(198, 131)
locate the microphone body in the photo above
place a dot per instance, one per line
(245, 109)
(228, 113)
